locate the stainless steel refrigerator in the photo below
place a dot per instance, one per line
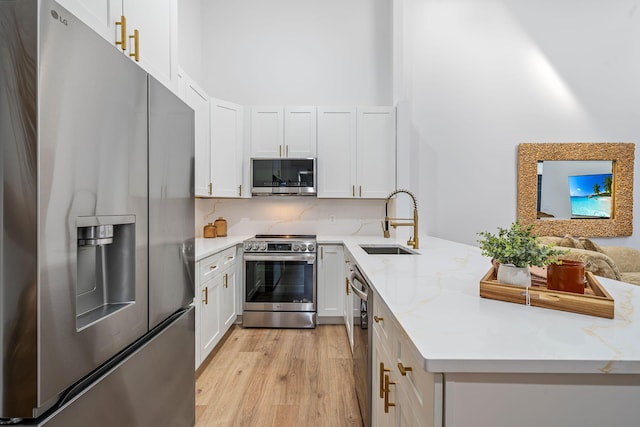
(97, 219)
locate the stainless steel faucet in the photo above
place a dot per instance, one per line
(413, 241)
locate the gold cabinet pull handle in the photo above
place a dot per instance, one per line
(287, 146)
(279, 150)
(213, 267)
(346, 286)
(353, 191)
(123, 33)
(206, 295)
(226, 280)
(387, 404)
(136, 45)
(210, 188)
(382, 375)
(360, 186)
(404, 369)
(240, 190)
(378, 319)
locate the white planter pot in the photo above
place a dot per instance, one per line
(512, 275)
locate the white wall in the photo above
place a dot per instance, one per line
(190, 38)
(476, 78)
(298, 52)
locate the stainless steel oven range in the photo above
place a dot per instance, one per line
(280, 281)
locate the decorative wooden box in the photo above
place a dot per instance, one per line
(596, 301)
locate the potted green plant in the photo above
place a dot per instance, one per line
(515, 249)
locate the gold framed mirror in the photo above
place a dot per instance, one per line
(613, 192)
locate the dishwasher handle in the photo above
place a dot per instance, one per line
(354, 276)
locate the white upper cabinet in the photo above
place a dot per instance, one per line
(156, 22)
(148, 32)
(356, 152)
(198, 99)
(267, 131)
(226, 148)
(300, 132)
(376, 152)
(283, 132)
(336, 152)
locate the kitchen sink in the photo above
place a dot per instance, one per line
(387, 250)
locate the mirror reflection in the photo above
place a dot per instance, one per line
(575, 189)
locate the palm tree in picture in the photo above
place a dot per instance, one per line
(596, 189)
(608, 183)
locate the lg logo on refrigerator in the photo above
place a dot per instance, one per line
(58, 17)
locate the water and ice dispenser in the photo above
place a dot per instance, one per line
(106, 267)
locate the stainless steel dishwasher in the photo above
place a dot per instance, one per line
(362, 343)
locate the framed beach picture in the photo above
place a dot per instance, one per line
(590, 195)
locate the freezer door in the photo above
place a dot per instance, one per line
(155, 386)
(92, 211)
(171, 203)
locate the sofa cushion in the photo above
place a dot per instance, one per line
(590, 245)
(568, 241)
(627, 259)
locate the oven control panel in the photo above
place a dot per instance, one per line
(279, 245)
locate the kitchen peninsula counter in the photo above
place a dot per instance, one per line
(434, 298)
(487, 362)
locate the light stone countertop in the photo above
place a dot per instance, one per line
(435, 299)
(206, 247)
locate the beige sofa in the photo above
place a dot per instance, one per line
(614, 262)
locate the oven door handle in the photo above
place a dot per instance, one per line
(362, 295)
(309, 259)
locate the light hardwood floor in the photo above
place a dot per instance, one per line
(278, 377)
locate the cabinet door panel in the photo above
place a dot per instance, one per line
(197, 99)
(300, 134)
(226, 148)
(376, 148)
(331, 281)
(210, 328)
(267, 126)
(156, 22)
(336, 152)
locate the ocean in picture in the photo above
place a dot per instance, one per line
(591, 195)
(599, 206)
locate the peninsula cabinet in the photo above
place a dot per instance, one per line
(278, 132)
(227, 147)
(215, 300)
(148, 33)
(331, 283)
(356, 152)
(403, 393)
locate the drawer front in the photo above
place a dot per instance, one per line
(209, 267)
(228, 257)
(383, 323)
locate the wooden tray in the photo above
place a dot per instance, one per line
(596, 301)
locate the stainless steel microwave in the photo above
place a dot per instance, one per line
(283, 176)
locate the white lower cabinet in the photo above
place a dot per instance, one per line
(215, 300)
(331, 283)
(403, 393)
